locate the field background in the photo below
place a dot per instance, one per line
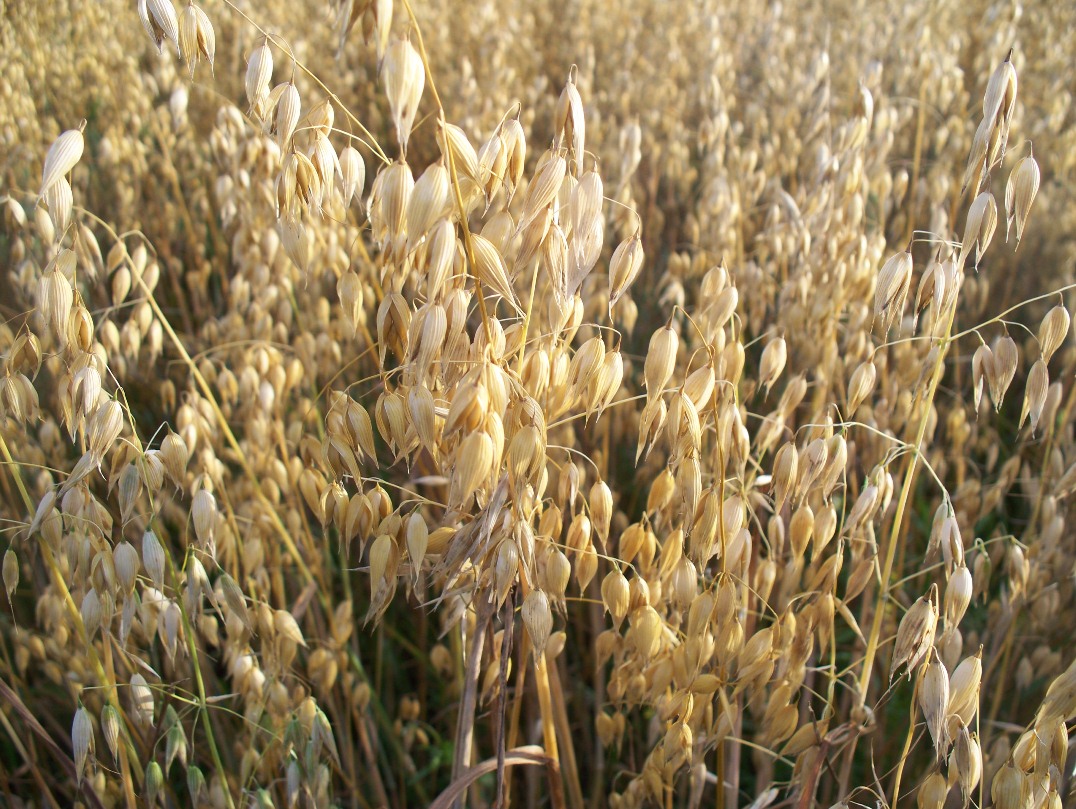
(724, 393)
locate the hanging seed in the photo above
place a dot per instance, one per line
(1053, 330)
(63, 155)
(153, 783)
(966, 761)
(1020, 193)
(259, 74)
(915, 635)
(110, 729)
(891, 292)
(982, 368)
(81, 740)
(538, 619)
(932, 792)
(1011, 788)
(934, 701)
(861, 385)
(1003, 368)
(141, 701)
(568, 121)
(197, 39)
(159, 19)
(153, 558)
(964, 688)
(784, 475)
(404, 78)
(958, 595)
(660, 359)
(11, 573)
(772, 363)
(1038, 382)
(979, 228)
(646, 629)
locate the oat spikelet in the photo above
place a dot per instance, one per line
(1020, 193)
(81, 740)
(259, 74)
(934, 701)
(1053, 330)
(979, 228)
(891, 292)
(404, 78)
(915, 635)
(197, 39)
(159, 19)
(1038, 383)
(63, 155)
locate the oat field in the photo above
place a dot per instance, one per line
(526, 404)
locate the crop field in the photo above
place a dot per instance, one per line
(526, 404)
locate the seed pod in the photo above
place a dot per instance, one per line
(1020, 192)
(646, 629)
(1011, 789)
(429, 202)
(110, 729)
(286, 626)
(958, 595)
(474, 459)
(352, 174)
(891, 291)
(259, 74)
(1035, 390)
(196, 37)
(586, 566)
(979, 227)
(1003, 368)
(556, 574)
(1000, 94)
(568, 122)
(159, 19)
(11, 573)
(772, 363)
(153, 558)
(660, 360)
(81, 740)
(934, 701)
(418, 538)
(204, 515)
(964, 688)
(982, 364)
(932, 792)
(490, 269)
(861, 385)
(381, 552)
(514, 143)
(915, 635)
(141, 701)
(505, 568)
(784, 474)
(55, 299)
(542, 191)
(624, 268)
(966, 761)
(1053, 330)
(91, 613)
(404, 78)
(59, 201)
(153, 782)
(616, 596)
(601, 509)
(538, 619)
